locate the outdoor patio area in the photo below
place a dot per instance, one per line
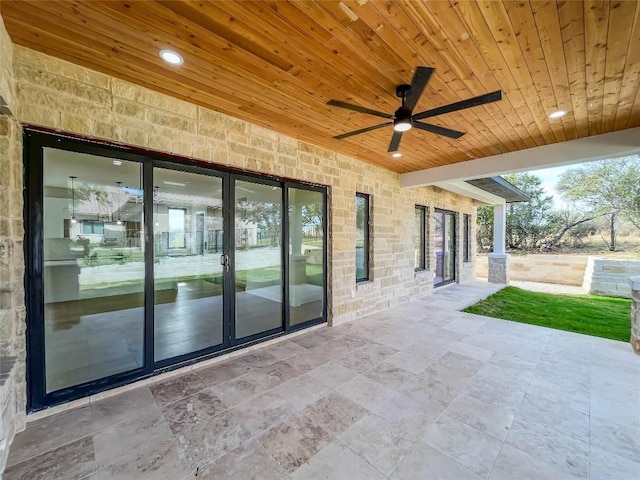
(420, 391)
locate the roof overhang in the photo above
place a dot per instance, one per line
(500, 187)
(618, 144)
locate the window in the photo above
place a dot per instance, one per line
(177, 237)
(419, 237)
(467, 238)
(92, 226)
(362, 237)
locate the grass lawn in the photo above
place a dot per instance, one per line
(588, 314)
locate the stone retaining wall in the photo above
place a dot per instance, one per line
(598, 276)
(611, 277)
(561, 269)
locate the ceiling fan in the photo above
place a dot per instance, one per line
(404, 119)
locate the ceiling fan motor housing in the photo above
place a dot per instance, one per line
(403, 91)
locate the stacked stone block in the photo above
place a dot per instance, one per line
(498, 268)
(12, 310)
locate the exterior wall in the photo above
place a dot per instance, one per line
(59, 95)
(611, 277)
(12, 310)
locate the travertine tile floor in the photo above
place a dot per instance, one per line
(421, 391)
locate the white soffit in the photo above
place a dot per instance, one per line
(463, 188)
(622, 143)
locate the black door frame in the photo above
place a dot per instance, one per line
(454, 252)
(35, 140)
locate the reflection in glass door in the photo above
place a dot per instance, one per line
(257, 258)
(188, 276)
(445, 241)
(306, 255)
(93, 267)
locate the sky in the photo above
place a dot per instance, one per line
(550, 177)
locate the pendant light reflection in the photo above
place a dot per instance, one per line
(156, 195)
(119, 221)
(73, 200)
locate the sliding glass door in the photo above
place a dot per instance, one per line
(445, 243)
(93, 267)
(137, 264)
(188, 228)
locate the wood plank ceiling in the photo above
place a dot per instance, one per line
(277, 63)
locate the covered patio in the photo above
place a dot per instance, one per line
(400, 394)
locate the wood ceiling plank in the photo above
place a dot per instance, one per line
(458, 36)
(491, 115)
(480, 31)
(304, 57)
(407, 51)
(621, 20)
(631, 79)
(547, 24)
(363, 30)
(352, 122)
(294, 129)
(438, 92)
(481, 116)
(276, 63)
(505, 36)
(571, 16)
(596, 19)
(527, 36)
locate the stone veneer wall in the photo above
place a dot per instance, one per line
(60, 95)
(611, 277)
(12, 310)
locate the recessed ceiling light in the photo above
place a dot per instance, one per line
(117, 163)
(557, 114)
(169, 56)
(175, 184)
(396, 154)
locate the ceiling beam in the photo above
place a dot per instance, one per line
(618, 144)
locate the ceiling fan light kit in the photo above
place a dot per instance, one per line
(404, 119)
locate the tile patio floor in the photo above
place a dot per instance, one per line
(421, 391)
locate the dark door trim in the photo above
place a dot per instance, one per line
(454, 252)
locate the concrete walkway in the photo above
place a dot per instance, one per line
(420, 391)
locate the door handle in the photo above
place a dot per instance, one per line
(224, 260)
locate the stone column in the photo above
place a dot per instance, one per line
(499, 260)
(635, 313)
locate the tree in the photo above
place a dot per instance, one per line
(484, 230)
(528, 223)
(607, 188)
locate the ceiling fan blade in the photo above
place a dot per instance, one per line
(468, 103)
(358, 108)
(394, 144)
(362, 130)
(420, 79)
(446, 132)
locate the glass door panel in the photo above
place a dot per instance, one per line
(439, 247)
(445, 242)
(93, 267)
(188, 276)
(450, 246)
(258, 258)
(306, 255)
